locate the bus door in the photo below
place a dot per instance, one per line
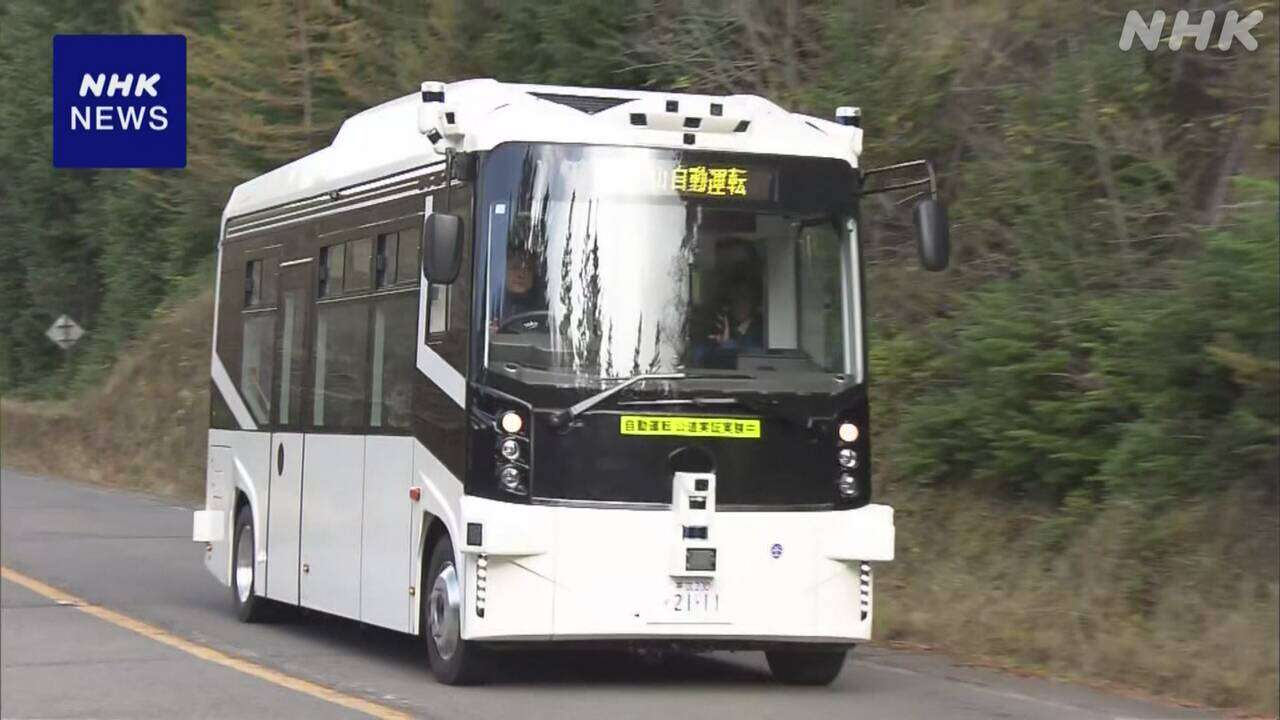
(337, 419)
(297, 268)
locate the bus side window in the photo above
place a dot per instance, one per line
(447, 305)
(340, 355)
(253, 283)
(396, 259)
(408, 263)
(385, 259)
(331, 266)
(257, 349)
(393, 359)
(437, 309)
(291, 357)
(359, 265)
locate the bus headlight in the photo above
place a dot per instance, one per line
(848, 458)
(511, 477)
(509, 449)
(511, 422)
(847, 484)
(848, 432)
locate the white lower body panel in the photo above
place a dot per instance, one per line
(332, 514)
(566, 573)
(386, 570)
(237, 462)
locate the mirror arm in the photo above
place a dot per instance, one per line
(911, 197)
(931, 181)
(448, 178)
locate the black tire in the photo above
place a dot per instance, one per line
(806, 667)
(250, 607)
(454, 661)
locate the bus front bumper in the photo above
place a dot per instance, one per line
(570, 573)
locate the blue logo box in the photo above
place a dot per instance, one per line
(119, 101)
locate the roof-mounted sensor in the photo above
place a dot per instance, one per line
(432, 92)
(849, 115)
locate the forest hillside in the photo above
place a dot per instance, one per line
(1078, 423)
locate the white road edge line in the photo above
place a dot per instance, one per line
(204, 652)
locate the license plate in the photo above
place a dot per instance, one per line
(692, 600)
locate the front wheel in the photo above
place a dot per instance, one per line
(250, 607)
(806, 667)
(454, 661)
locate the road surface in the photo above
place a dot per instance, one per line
(106, 611)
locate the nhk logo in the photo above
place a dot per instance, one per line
(119, 101)
(1233, 29)
(100, 117)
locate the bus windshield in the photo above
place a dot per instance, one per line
(606, 263)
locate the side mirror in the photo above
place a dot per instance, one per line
(933, 237)
(441, 248)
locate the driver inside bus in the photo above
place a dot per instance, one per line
(741, 328)
(738, 329)
(521, 295)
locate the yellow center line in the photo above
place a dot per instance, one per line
(203, 652)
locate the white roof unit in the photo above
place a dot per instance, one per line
(481, 114)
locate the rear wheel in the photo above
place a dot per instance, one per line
(806, 667)
(454, 661)
(249, 606)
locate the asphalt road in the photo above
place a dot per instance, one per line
(132, 555)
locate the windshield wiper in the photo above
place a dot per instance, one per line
(772, 408)
(562, 418)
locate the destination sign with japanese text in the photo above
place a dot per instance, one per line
(720, 181)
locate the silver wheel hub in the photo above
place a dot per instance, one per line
(444, 615)
(244, 563)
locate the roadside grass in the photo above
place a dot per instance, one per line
(1182, 604)
(142, 426)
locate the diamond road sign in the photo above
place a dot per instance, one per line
(64, 332)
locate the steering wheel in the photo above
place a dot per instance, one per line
(526, 322)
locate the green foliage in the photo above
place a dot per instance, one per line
(1105, 344)
(1151, 394)
(1107, 329)
(46, 260)
(571, 42)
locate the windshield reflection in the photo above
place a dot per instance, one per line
(600, 266)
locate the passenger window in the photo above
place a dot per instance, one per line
(409, 266)
(384, 265)
(359, 265)
(253, 283)
(437, 309)
(331, 267)
(291, 356)
(256, 358)
(341, 351)
(394, 324)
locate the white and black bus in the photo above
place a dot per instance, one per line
(512, 364)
